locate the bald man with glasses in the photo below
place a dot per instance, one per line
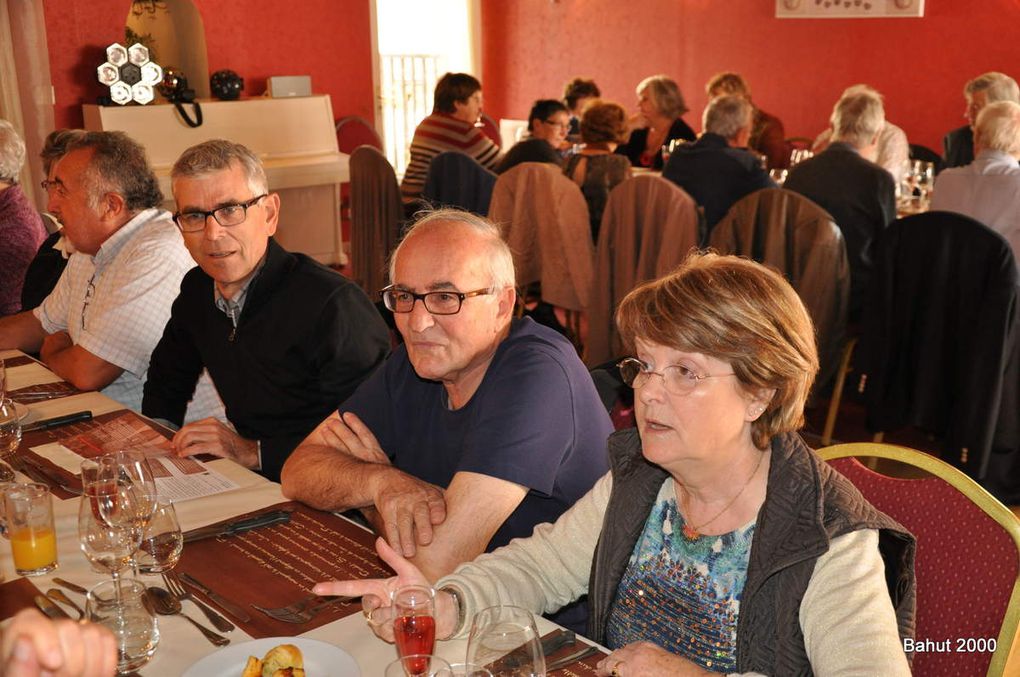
(477, 428)
(283, 337)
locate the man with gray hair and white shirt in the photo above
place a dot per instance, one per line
(988, 189)
(845, 181)
(98, 326)
(988, 88)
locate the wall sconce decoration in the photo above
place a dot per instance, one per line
(129, 74)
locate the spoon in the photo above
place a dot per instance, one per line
(59, 596)
(166, 604)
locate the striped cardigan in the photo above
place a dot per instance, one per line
(437, 133)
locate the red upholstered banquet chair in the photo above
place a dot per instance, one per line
(491, 129)
(353, 131)
(968, 558)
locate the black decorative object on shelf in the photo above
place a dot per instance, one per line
(174, 88)
(226, 85)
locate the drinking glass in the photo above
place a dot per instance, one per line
(133, 466)
(109, 547)
(162, 541)
(29, 515)
(505, 640)
(414, 623)
(4, 486)
(121, 606)
(10, 430)
(417, 665)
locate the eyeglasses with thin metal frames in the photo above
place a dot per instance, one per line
(436, 302)
(677, 379)
(226, 215)
(54, 184)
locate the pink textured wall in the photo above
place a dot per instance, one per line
(796, 68)
(327, 39)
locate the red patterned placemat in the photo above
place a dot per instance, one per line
(277, 565)
(16, 595)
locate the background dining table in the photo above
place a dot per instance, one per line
(180, 645)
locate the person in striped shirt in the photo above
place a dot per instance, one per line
(451, 126)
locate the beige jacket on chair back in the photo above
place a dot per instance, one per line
(649, 226)
(791, 233)
(544, 219)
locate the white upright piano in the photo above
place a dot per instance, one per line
(294, 137)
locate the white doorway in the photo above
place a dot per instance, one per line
(416, 42)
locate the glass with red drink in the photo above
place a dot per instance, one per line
(414, 624)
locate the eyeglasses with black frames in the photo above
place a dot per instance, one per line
(436, 302)
(678, 379)
(227, 215)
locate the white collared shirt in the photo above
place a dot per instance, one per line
(987, 190)
(115, 304)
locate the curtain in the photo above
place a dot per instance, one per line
(26, 92)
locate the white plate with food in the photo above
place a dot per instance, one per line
(320, 659)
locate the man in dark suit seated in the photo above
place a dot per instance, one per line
(847, 183)
(717, 170)
(989, 88)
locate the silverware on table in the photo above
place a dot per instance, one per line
(177, 589)
(73, 587)
(47, 423)
(59, 596)
(40, 473)
(579, 655)
(238, 526)
(49, 607)
(165, 604)
(303, 610)
(231, 608)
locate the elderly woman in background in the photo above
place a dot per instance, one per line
(547, 132)
(660, 104)
(595, 168)
(21, 226)
(576, 94)
(767, 135)
(718, 542)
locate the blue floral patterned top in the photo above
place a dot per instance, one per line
(681, 594)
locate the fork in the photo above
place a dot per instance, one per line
(303, 610)
(177, 589)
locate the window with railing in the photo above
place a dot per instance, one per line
(407, 83)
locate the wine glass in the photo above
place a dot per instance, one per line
(418, 665)
(414, 623)
(133, 466)
(162, 540)
(109, 547)
(505, 640)
(464, 670)
(122, 607)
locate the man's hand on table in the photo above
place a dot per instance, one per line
(408, 507)
(376, 594)
(35, 645)
(644, 659)
(211, 436)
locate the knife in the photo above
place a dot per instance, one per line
(47, 423)
(550, 645)
(48, 607)
(578, 655)
(224, 603)
(73, 587)
(46, 475)
(237, 526)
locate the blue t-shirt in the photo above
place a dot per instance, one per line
(535, 420)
